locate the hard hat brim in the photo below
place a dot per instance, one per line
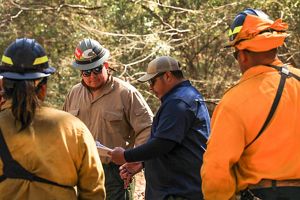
(91, 65)
(28, 76)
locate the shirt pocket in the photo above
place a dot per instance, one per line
(113, 116)
(74, 112)
(115, 125)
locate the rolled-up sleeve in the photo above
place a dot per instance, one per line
(140, 117)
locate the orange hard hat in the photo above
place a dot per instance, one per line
(255, 31)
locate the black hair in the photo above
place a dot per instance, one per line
(23, 94)
(178, 74)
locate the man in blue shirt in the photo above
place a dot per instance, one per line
(172, 157)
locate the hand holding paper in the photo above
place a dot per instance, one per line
(103, 150)
(117, 155)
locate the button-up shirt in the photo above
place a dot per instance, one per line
(236, 121)
(118, 117)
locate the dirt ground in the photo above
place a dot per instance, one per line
(139, 193)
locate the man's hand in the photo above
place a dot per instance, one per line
(117, 155)
(128, 170)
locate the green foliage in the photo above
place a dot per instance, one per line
(135, 31)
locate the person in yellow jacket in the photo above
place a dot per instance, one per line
(44, 153)
(246, 152)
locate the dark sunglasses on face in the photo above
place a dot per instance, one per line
(87, 73)
(153, 80)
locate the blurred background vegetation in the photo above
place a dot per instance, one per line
(137, 31)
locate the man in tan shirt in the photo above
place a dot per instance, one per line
(113, 110)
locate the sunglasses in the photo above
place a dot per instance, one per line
(153, 80)
(96, 70)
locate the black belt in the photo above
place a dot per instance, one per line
(266, 183)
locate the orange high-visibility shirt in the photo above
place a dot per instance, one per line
(237, 120)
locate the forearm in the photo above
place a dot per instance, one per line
(153, 148)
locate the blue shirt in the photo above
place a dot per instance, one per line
(184, 119)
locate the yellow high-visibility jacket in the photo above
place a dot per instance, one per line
(56, 146)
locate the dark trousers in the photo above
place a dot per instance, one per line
(172, 197)
(276, 193)
(114, 185)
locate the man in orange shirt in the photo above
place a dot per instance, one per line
(255, 142)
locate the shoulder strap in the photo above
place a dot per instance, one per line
(13, 169)
(284, 73)
(289, 73)
(4, 153)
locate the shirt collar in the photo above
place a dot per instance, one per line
(181, 84)
(108, 86)
(259, 69)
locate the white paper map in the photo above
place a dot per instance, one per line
(103, 150)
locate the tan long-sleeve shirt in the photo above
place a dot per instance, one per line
(119, 116)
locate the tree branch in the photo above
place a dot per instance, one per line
(43, 7)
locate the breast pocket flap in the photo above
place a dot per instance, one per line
(113, 116)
